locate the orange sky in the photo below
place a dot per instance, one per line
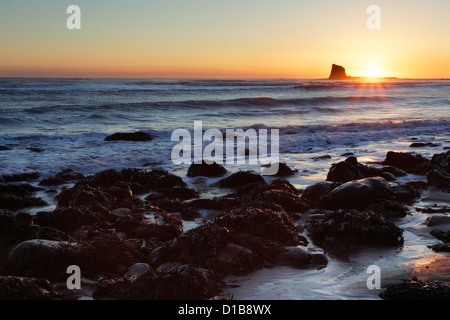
(246, 38)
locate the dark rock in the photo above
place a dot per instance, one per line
(70, 175)
(438, 220)
(358, 194)
(338, 73)
(302, 257)
(394, 171)
(68, 219)
(22, 288)
(12, 201)
(4, 148)
(415, 164)
(350, 169)
(41, 259)
(415, 289)
(173, 281)
(206, 170)
(437, 178)
(313, 194)
(343, 231)
(21, 177)
(222, 250)
(85, 196)
(319, 158)
(34, 149)
(283, 170)
(441, 161)
(52, 181)
(423, 144)
(388, 176)
(181, 193)
(405, 192)
(241, 178)
(127, 136)
(266, 224)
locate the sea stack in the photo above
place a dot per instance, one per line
(338, 73)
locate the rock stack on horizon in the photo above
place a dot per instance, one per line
(338, 73)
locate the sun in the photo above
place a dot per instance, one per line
(373, 71)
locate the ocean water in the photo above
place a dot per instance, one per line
(53, 124)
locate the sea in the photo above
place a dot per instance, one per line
(51, 124)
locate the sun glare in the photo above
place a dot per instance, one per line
(373, 71)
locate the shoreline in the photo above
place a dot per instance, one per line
(168, 215)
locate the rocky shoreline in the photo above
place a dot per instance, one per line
(124, 228)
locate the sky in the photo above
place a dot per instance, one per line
(224, 38)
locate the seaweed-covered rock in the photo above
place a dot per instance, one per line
(14, 196)
(181, 193)
(344, 231)
(351, 169)
(41, 259)
(68, 219)
(22, 288)
(206, 170)
(85, 196)
(241, 178)
(415, 164)
(173, 281)
(415, 289)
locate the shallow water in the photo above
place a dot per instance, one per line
(54, 124)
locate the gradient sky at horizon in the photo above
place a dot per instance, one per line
(224, 39)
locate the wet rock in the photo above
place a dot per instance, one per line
(345, 231)
(423, 144)
(217, 248)
(441, 161)
(442, 236)
(13, 202)
(351, 169)
(358, 194)
(68, 219)
(4, 148)
(28, 176)
(313, 195)
(206, 170)
(394, 171)
(181, 193)
(266, 224)
(241, 178)
(415, 289)
(138, 269)
(283, 170)
(438, 221)
(22, 288)
(302, 257)
(127, 136)
(437, 178)
(85, 196)
(415, 164)
(173, 281)
(405, 192)
(41, 259)
(147, 223)
(319, 158)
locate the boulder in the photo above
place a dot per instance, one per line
(358, 194)
(241, 178)
(351, 169)
(206, 170)
(415, 289)
(345, 231)
(441, 161)
(415, 164)
(23, 288)
(303, 257)
(436, 178)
